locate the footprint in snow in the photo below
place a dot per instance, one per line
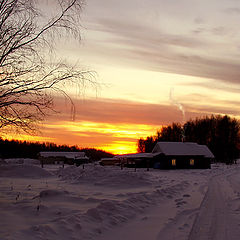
(178, 200)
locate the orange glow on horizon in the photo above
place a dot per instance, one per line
(28, 138)
(121, 147)
(113, 138)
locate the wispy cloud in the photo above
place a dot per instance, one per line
(114, 111)
(233, 10)
(233, 88)
(123, 112)
(172, 53)
(204, 44)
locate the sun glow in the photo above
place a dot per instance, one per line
(121, 147)
(114, 138)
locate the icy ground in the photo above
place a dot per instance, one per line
(107, 203)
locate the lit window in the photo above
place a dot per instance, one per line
(173, 162)
(191, 162)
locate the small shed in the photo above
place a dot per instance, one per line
(137, 159)
(110, 161)
(63, 157)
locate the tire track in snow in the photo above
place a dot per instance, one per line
(217, 220)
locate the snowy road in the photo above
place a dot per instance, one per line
(219, 213)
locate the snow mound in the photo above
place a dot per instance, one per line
(31, 161)
(111, 213)
(52, 193)
(23, 171)
(2, 161)
(104, 176)
(22, 161)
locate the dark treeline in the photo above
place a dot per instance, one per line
(220, 133)
(24, 149)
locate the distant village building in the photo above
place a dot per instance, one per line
(168, 155)
(63, 157)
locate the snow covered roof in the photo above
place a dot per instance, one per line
(182, 148)
(71, 155)
(204, 149)
(137, 155)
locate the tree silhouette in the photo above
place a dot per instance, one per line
(24, 149)
(28, 78)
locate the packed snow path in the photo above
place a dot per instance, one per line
(219, 213)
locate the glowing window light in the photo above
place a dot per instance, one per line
(192, 162)
(173, 162)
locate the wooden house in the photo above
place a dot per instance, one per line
(182, 155)
(171, 155)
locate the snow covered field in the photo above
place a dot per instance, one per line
(107, 203)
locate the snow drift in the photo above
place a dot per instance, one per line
(23, 171)
(108, 177)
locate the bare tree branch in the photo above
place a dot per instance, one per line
(28, 82)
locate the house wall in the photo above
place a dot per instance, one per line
(110, 162)
(182, 162)
(52, 160)
(140, 163)
(80, 161)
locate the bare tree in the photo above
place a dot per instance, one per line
(28, 81)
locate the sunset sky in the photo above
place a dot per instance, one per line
(152, 57)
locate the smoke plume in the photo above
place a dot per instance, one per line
(176, 103)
